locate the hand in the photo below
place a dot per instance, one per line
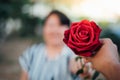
(74, 66)
(106, 60)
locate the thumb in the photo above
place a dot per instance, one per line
(87, 59)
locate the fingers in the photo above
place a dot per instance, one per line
(115, 46)
(79, 64)
(87, 59)
(86, 68)
(75, 66)
(106, 41)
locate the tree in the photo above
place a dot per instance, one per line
(13, 9)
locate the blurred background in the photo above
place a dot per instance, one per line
(21, 25)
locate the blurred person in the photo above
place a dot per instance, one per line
(51, 60)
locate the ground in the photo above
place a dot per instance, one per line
(10, 50)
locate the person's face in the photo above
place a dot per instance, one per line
(53, 31)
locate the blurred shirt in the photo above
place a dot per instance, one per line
(35, 62)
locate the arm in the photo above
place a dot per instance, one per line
(113, 73)
(106, 60)
(24, 61)
(24, 76)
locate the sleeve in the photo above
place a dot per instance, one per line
(71, 54)
(25, 59)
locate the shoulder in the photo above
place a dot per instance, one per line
(36, 46)
(32, 50)
(67, 51)
(28, 55)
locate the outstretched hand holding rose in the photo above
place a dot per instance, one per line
(83, 39)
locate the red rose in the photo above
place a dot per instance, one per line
(83, 38)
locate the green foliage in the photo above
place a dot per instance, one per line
(28, 29)
(84, 17)
(11, 8)
(103, 24)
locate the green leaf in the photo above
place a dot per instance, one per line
(77, 58)
(80, 71)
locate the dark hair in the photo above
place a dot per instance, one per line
(64, 20)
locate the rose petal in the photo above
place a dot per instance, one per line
(85, 22)
(74, 24)
(83, 37)
(95, 27)
(66, 34)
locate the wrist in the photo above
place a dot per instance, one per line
(112, 72)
